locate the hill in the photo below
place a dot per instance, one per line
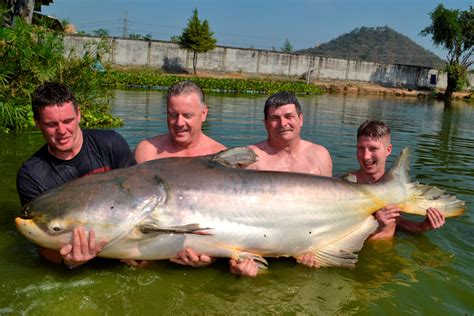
(376, 44)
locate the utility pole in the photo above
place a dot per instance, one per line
(125, 25)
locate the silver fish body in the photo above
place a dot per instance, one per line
(153, 210)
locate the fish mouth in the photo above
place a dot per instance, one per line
(22, 221)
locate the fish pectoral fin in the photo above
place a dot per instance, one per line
(235, 157)
(342, 252)
(262, 264)
(152, 228)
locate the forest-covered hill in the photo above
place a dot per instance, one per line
(376, 44)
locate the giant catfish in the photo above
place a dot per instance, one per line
(155, 209)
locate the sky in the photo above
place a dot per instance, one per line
(261, 24)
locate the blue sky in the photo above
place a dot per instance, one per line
(261, 24)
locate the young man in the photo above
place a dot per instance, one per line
(373, 148)
(285, 151)
(69, 153)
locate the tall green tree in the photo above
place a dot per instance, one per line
(197, 37)
(287, 47)
(453, 30)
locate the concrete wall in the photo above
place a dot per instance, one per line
(168, 55)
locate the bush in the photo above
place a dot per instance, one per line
(146, 79)
(32, 55)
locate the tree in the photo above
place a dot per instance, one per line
(197, 37)
(287, 47)
(101, 32)
(454, 30)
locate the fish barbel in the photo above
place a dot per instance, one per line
(153, 210)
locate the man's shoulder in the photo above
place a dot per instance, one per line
(104, 139)
(39, 165)
(101, 134)
(213, 144)
(262, 146)
(313, 147)
(155, 141)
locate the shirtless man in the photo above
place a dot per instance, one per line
(185, 114)
(373, 148)
(285, 151)
(186, 111)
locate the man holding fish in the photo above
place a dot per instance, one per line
(373, 148)
(69, 153)
(284, 150)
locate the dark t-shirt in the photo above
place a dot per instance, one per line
(102, 150)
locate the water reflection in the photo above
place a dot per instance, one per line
(414, 274)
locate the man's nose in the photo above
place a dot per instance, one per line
(283, 121)
(367, 154)
(180, 120)
(61, 129)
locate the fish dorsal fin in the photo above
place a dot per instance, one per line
(235, 157)
(399, 168)
(342, 252)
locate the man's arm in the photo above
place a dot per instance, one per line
(144, 151)
(434, 219)
(26, 186)
(323, 158)
(387, 217)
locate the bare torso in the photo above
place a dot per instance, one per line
(302, 157)
(161, 146)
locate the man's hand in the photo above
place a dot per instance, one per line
(188, 257)
(246, 267)
(434, 220)
(387, 215)
(81, 249)
(308, 260)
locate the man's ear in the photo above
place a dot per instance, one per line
(389, 149)
(79, 114)
(204, 113)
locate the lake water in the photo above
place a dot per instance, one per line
(416, 274)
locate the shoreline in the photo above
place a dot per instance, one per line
(345, 87)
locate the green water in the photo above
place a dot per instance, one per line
(424, 274)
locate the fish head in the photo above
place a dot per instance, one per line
(50, 230)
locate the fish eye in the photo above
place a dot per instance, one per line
(56, 227)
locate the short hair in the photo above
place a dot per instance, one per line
(279, 99)
(185, 87)
(51, 94)
(373, 128)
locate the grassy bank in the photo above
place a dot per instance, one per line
(144, 78)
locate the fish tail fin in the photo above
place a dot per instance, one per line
(424, 196)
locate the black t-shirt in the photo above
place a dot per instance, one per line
(102, 150)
